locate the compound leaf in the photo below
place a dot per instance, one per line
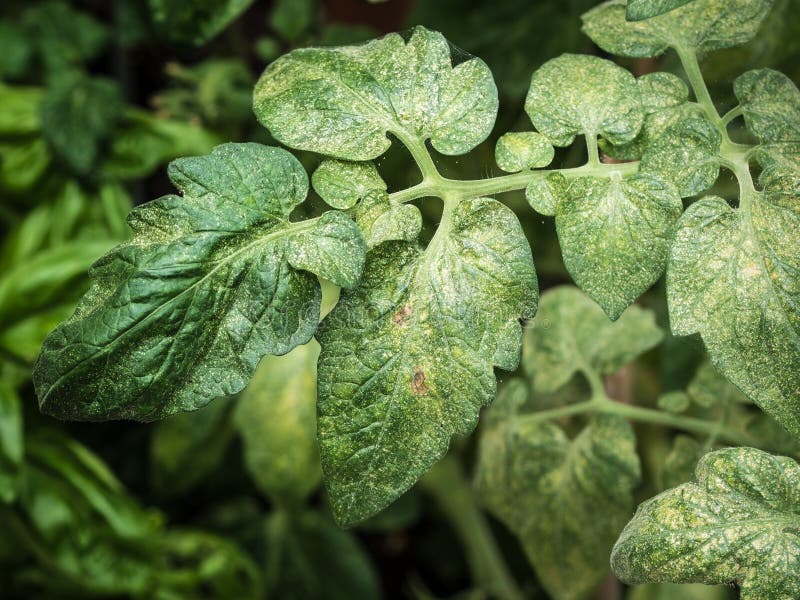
(276, 417)
(638, 10)
(408, 357)
(615, 236)
(570, 331)
(517, 151)
(700, 26)
(342, 183)
(770, 102)
(549, 489)
(732, 277)
(576, 94)
(343, 101)
(208, 285)
(737, 522)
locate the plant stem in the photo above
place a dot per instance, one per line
(732, 114)
(692, 68)
(591, 149)
(601, 403)
(441, 186)
(448, 486)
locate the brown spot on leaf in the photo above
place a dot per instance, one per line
(418, 385)
(400, 318)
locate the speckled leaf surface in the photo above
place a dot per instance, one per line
(276, 417)
(615, 236)
(343, 101)
(408, 357)
(701, 25)
(770, 102)
(382, 220)
(637, 10)
(576, 94)
(686, 154)
(656, 124)
(343, 183)
(549, 491)
(661, 90)
(732, 277)
(211, 282)
(570, 330)
(520, 150)
(739, 521)
(544, 193)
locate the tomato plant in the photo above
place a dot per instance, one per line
(353, 328)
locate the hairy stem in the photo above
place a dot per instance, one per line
(448, 486)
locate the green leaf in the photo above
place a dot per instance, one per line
(408, 357)
(186, 448)
(382, 220)
(78, 114)
(276, 417)
(687, 155)
(343, 101)
(517, 151)
(679, 464)
(291, 18)
(738, 522)
(571, 331)
(709, 388)
(309, 558)
(700, 26)
(638, 10)
(661, 90)
(732, 277)
(20, 110)
(194, 21)
(615, 236)
(577, 94)
(64, 37)
(202, 565)
(17, 50)
(657, 124)
(549, 491)
(11, 442)
(342, 184)
(674, 402)
(142, 143)
(770, 102)
(208, 285)
(545, 193)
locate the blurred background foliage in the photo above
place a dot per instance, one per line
(95, 98)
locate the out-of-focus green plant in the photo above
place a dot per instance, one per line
(607, 408)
